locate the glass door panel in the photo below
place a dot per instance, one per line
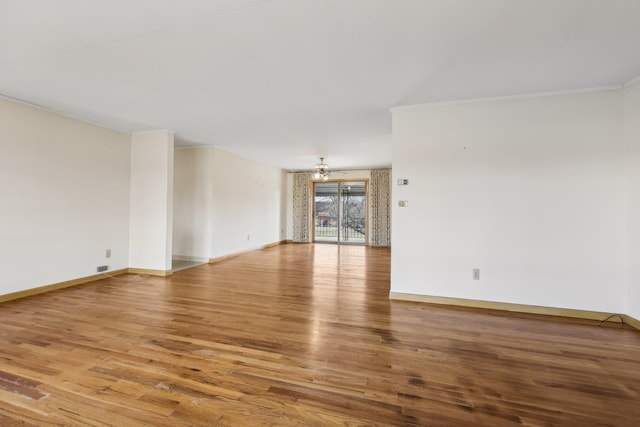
(340, 212)
(325, 212)
(353, 212)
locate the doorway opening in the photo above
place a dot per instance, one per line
(340, 212)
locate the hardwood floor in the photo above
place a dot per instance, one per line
(301, 335)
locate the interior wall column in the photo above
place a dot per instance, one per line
(151, 204)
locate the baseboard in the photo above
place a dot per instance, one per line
(235, 254)
(189, 258)
(145, 271)
(270, 245)
(633, 322)
(60, 285)
(517, 308)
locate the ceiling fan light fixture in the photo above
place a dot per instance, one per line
(322, 171)
(321, 174)
(322, 164)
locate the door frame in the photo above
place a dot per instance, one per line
(313, 208)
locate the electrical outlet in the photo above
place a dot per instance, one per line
(476, 274)
(107, 253)
(403, 203)
(248, 236)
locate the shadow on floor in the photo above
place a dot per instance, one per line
(179, 264)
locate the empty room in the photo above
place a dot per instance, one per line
(320, 212)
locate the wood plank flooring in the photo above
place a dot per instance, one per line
(301, 335)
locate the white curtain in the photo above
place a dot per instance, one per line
(301, 206)
(380, 193)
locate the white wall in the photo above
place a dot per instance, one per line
(225, 204)
(248, 204)
(64, 198)
(531, 191)
(632, 156)
(284, 204)
(151, 217)
(192, 203)
(289, 209)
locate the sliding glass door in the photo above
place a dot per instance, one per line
(340, 212)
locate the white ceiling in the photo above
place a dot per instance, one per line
(287, 81)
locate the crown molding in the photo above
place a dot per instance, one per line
(61, 114)
(507, 98)
(79, 119)
(632, 82)
(144, 132)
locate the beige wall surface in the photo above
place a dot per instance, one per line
(225, 204)
(632, 157)
(64, 198)
(531, 191)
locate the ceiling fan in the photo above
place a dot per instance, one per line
(322, 170)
